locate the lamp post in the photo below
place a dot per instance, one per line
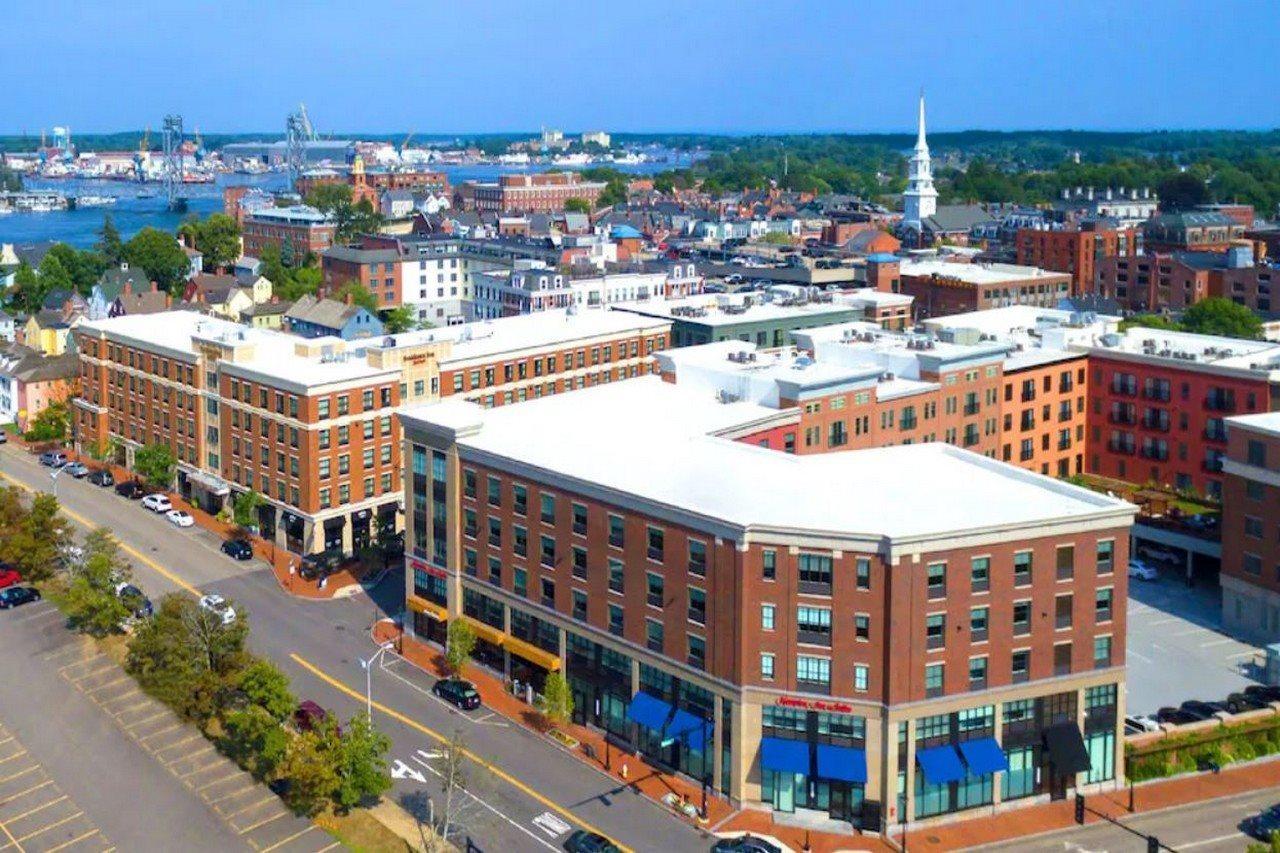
(367, 666)
(53, 475)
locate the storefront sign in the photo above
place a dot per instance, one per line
(815, 705)
(420, 566)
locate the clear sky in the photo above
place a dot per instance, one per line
(702, 65)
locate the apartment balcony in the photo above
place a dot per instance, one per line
(1159, 454)
(1121, 447)
(1220, 403)
(1124, 418)
(1212, 466)
(1219, 435)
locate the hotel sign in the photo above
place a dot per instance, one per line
(815, 704)
(423, 566)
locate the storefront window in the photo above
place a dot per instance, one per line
(1102, 755)
(1020, 779)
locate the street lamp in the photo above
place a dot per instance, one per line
(367, 666)
(53, 475)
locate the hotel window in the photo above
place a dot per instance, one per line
(494, 491)
(615, 620)
(1019, 666)
(768, 615)
(862, 626)
(322, 408)
(344, 404)
(519, 498)
(697, 558)
(323, 468)
(579, 519)
(813, 625)
(766, 666)
(580, 563)
(520, 539)
(656, 543)
(1066, 557)
(367, 430)
(324, 499)
(469, 522)
(469, 483)
(980, 574)
(616, 575)
(1106, 557)
(935, 630)
(862, 573)
(861, 677)
(697, 652)
(977, 673)
(1102, 605)
(813, 672)
(548, 593)
(1102, 651)
(547, 551)
(495, 532)
(978, 619)
(548, 509)
(1252, 527)
(698, 606)
(520, 581)
(815, 574)
(323, 437)
(653, 591)
(769, 564)
(933, 674)
(937, 580)
(653, 635)
(579, 605)
(1022, 568)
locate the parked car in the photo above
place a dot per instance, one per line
(1263, 692)
(4, 437)
(1176, 716)
(1263, 824)
(102, 478)
(1238, 703)
(1142, 571)
(76, 469)
(238, 549)
(459, 693)
(744, 844)
(135, 599)
(1201, 710)
(8, 576)
(181, 518)
(1158, 554)
(131, 489)
(53, 458)
(309, 715)
(157, 503)
(16, 596)
(582, 841)
(1141, 723)
(218, 606)
(316, 566)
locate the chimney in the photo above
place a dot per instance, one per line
(347, 299)
(168, 300)
(154, 287)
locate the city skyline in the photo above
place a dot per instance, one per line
(714, 69)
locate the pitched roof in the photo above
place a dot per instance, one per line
(146, 302)
(957, 217)
(328, 313)
(113, 281)
(29, 365)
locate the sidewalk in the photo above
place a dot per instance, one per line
(639, 776)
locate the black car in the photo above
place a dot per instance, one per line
(1176, 716)
(582, 841)
(744, 844)
(457, 692)
(1202, 710)
(1263, 692)
(16, 596)
(317, 566)
(1263, 824)
(238, 549)
(137, 602)
(131, 489)
(1238, 703)
(102, 478)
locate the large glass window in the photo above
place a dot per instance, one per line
(1102, 756)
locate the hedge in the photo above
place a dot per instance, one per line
(1186, 752)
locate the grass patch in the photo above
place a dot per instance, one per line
(362, 832)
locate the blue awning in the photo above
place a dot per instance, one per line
(940, 764)
(690, 729)
(787, 756)
(648, 711)
(983, 756)
(844, 763)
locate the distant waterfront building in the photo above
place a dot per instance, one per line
(529, 193)
(596, 137)
(303, 228)
(920, 201)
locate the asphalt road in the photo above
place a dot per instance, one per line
(525, 793)
(1209, 827)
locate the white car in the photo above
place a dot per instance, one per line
(157, 503)
(1142, 571)
(218, 606)
(180, 517)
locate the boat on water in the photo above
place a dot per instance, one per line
(83, 201)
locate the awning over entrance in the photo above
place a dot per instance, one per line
(648, 711)
(211, 484)
(437, 612)
(1067, 752)
(785, 756)
(533, 654)
(983, 756)
(692, 730)
(845, 763)
(488, 633)
(940, 764)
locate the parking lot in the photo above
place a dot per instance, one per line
(1176, 649)
(36, 814)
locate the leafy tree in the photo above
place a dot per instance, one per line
(577, 205)
(398, 319)
(328, 197)
(156, 464)
(160, 256)
(34, 543)
(460, 643)
(1218, 316)
(92, 604)
(53, 275)
(13, 512)
(305, 281)
(255, 740)
(1150, 321)
(84, 268)
(362, 767)
(245, 512)
(28, 290)
(359, 294)
(263, 684)
(557, 699)
(109, 245)
(311, 766)
(351, 218)
(217, 237)
(49, 424)
(1182, 190)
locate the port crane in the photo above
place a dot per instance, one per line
(172, 138)
(298, 131)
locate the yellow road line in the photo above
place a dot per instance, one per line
(414, 724)
(51, 826)
(12, 840)
(43, 784)
(19, 773)
(128, 549)
(285, 841)
(220, 780)
(262, 823)
(75, 840)
(30, 812)
(18, 754)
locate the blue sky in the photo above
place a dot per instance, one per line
(700, 65)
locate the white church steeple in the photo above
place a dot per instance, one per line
(920, 201)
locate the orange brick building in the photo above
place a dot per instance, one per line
(1076, 249)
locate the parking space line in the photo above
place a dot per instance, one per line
(30, 812)
(211, 765)
(80, 678)
(54, 825)
(21, 752)
(120, 679)
(268, 798)
(6, 740)
(12, 840)
(285, 841)
(75, 840)
(232, 775)
(163, 731)
(19, 773)
(330, 847)
(262, 823)
(46, 783)
(151, 719)
(135, 706)
(182, 742)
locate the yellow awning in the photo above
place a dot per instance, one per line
(488, 633)
(437, 612)
(533, 654)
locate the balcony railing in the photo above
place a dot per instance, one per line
(1159, 454)
(1120, 447)
(1220, 403)
(1122, 417)
(1211, 434)
(1124, 389)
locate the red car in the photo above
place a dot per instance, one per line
(9, 577)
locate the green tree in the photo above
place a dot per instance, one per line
(398, 319)
(577, 205)
(557, 699)
(311, 765)
(246, 508)
(305, 281)
(217, 237)
(329, 197)
(1218, 316)
(49, 424)
(84, 268)
(351, 218)
(28, 290)
(362, 767)
(359, 294)
(1182, 190)
(255, 740)
(53, 275)
(160, 256)
(263, 684)
(109, 244)
(34, 543)
(1150, 321)
(92, 604)
(156, 464)
(460, 643)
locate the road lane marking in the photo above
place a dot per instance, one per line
(30, 812)
(1205, 841)
(423, 758)
(262, 823)
(439, 738)
(285, 841)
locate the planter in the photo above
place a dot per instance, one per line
(564, 739)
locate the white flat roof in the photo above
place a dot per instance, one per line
(713, 313)
(975, 273)
(1268, 422)
(651, 440)
(1013, 318)
(1187, 347)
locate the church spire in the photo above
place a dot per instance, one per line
(921, 145)
(920, 201)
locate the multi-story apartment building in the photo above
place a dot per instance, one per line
(781, 628)
(378, 270)
(305, 423)
(303, 229)
(1250, 574)
(942, 287)
(1158, 402)
(545, 193)
(1076, 248)
(530, 286)
(1129, 207)
(1196, 231)
(1176, 281)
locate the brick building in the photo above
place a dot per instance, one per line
(544, 193)
(1176, 281)
(1250, 520)
(303, 228)
(1196, 231)
(1076, 249)
(942, 287)
(780, 627)
(377, 269)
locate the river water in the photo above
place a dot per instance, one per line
(140, 205)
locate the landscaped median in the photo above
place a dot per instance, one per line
(1204, 745)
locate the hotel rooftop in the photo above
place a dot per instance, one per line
(780, 302)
